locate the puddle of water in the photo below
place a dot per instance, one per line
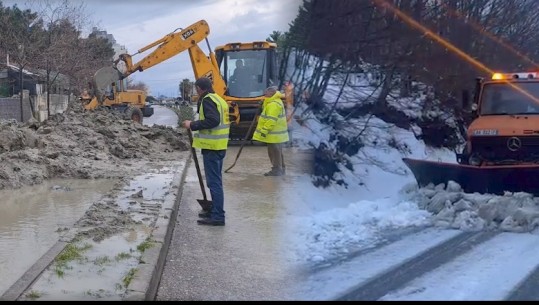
(154, 186)
(31, 217)
(99, 274)
(162, 116)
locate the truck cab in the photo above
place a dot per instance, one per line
(505, 130)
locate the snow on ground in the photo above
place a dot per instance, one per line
(381, 194)
(489, 278)
(340, 220)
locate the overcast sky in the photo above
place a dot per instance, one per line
(137, 23)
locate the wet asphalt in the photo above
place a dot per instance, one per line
(247, 258)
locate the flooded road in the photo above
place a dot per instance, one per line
(162, 116)
(105, 266)
(33, 218)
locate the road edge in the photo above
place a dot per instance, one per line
(31, 275)
(145, 284)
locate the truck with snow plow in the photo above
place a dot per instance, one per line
(502, 143)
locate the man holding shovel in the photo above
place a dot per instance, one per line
(211, 136)
(272, 129)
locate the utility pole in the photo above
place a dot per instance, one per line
(21, 67)
(20, 93)
(21, 64)
(48, 71)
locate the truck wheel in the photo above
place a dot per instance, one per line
(134, 113)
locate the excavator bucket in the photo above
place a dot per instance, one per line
(481, 179)
(103, 78)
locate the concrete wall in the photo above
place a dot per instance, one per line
(58, 104)
(10, 108)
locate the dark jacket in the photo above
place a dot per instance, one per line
(211, 114)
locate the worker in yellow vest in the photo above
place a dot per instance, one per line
(211, 136)
(272, 129)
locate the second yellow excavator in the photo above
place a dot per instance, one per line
(240, 71)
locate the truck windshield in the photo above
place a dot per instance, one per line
(517, 98)
(246, 72)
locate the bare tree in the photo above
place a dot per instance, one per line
(49, 38)
(140, 85)
(20, 32)
(62, 21)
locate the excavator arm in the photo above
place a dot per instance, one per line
(174, 44)
(204, 64)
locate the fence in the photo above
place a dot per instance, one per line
(10, 108)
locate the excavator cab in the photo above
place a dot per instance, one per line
(247, 69)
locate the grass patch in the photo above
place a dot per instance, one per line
(144, 245)
(70, 253)
(33, 295)
(98, 294)
(122, 256)
(129, 277)
(102, 260)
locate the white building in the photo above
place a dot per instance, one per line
(118, 49)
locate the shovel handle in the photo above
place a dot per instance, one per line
(195, 158)
(245, 139)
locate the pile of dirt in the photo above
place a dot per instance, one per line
(82, 144)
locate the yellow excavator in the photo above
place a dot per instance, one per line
(107, 90)
(256, 64)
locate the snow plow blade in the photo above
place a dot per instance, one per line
(481, 179)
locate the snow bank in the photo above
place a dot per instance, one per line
(335, 233)
(452, 208)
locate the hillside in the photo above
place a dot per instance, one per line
(353, 141)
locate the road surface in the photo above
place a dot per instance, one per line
(433, 264)
(247, 258)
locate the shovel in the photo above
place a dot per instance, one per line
(245, 140)
(204, 203)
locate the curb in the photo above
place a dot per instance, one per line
(145, 284)
(30, 276)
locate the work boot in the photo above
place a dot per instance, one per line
(210, 222)
(204, 214)
(274, 173)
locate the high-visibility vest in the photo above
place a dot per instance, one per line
(272, 121)
(217, 137)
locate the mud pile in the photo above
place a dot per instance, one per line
(82, 144)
